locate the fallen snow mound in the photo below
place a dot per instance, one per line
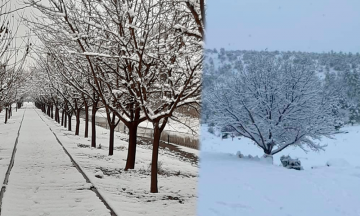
(337, 162)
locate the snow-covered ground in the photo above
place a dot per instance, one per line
(229, 185)
(8, 133)
(43, 180)
(128, 192)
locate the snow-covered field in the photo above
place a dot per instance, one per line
(229, 185)
(128, 192)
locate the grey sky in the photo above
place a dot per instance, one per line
(294, 25)
(23, 31)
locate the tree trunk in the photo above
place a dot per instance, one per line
(77, 127)
(86, 119)
(112, 126)
(58, 115)
(93, 125)
(111, 140)
(65, 119)
(130, 162)
(62, 117)
(154, 161)
(69, 122)
(52, 111)
(6, 115)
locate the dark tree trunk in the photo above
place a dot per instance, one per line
(62, 117)
(155, 157)
(112, 126)
(58, 115)
(86, 119)
(65, 119)
(6, 115)
(130, 162)
(77, 127)
(69, 122)
(93, 125)
(267, 151)
(111, 140)
(52, 111)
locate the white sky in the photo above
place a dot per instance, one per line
(23, 30)
(286, 25)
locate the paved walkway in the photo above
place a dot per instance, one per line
(43, 180)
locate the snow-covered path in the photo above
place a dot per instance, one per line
(43, 180)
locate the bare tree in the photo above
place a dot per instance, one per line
(274, 102)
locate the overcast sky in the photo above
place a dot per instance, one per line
(23, 31)
(285, 25)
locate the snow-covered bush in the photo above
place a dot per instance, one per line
(160, 169)
(211, 130)
(238, 154)
(290, 163)
(268, 159)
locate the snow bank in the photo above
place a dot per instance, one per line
(229, 185)
(337, 162)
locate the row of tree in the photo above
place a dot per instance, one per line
(137, 59)
(12, 59)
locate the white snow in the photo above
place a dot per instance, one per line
(229, 185)
(43, 180)
(99, 174)
(337, 162)
(128, 192)
(8, 133)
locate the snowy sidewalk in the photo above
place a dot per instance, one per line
(43, 180)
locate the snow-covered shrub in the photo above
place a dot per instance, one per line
(83, 145)
(161, 170)
(238, 154)
(211, 130)
(224, 135)
(290, 163)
